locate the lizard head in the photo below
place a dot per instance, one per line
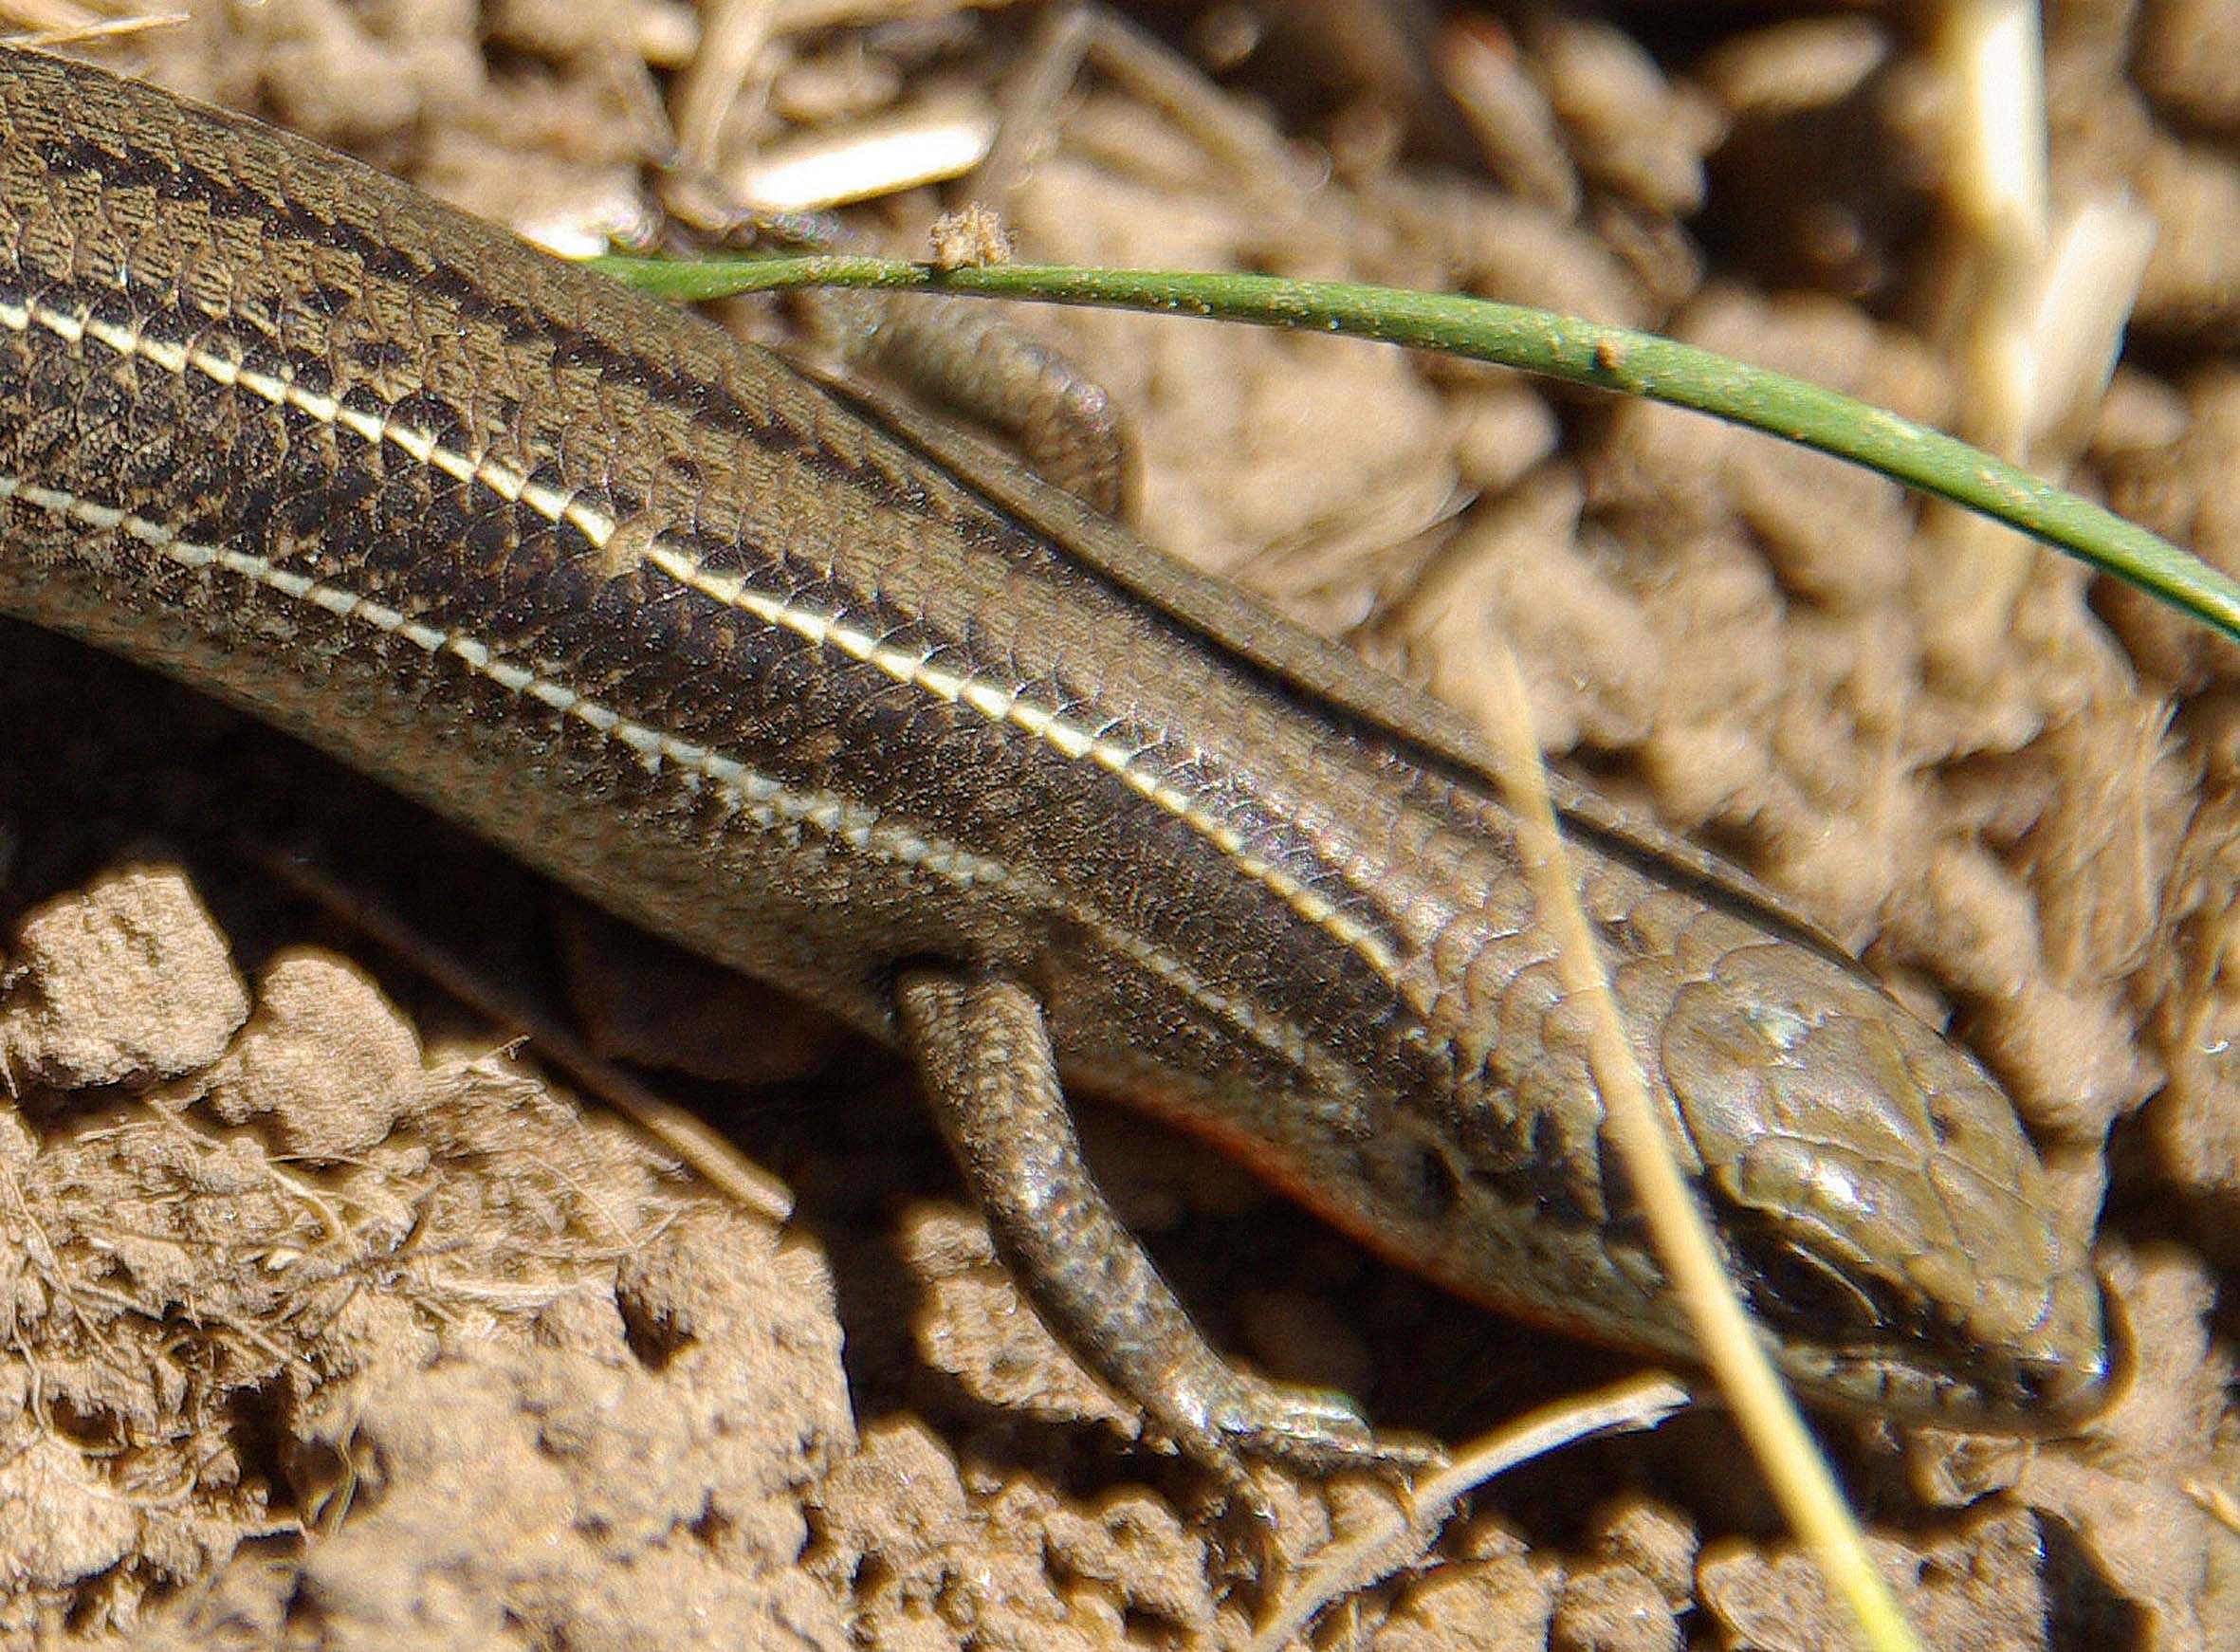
(1884, 1214)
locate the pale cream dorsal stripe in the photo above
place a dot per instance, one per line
(768, 803)
(1001, 703)
(997, 702)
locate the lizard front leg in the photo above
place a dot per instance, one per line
(983, 1055)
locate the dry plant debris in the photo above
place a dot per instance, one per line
(319, 1336)
(466, 1353)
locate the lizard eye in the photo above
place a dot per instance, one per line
(1788, 1285)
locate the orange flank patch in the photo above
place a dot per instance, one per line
(1288, 1176)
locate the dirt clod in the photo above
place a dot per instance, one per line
(126, 982)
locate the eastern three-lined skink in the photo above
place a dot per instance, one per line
(841, 702)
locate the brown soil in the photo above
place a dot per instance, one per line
(334, 1322)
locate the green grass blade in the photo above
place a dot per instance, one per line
(1560, 347)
